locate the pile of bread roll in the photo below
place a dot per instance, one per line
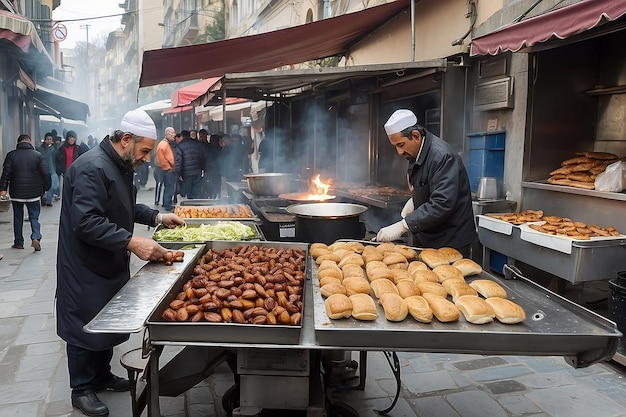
(581, 170)
(431, 283)
(557, 225)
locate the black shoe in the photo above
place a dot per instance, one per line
(89, 403)
(115, 383)
(16, 246)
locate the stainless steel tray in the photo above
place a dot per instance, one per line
(588, 261)
(227, 333)
(194, 220)
(554, 326)
(258, 234)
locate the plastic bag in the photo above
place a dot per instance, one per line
(613, 178)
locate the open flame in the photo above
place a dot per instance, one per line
(318, 190)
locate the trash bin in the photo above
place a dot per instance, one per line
(617, 308)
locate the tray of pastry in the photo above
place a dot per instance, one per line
(195, 214)
(543, 323)
(212, 302)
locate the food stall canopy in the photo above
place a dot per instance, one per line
(561, 23)
(184, 96)
(177, 109)
(264, 51)
(59, 104)
(157, 105)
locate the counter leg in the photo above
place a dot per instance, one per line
(395, 368)
(152, 386)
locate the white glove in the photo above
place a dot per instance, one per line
(407, 209)
(393, 232)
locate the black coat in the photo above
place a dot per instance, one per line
(61, 157)
(97, 219)
(189, 158)
(25, 173)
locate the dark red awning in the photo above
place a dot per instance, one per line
(265, 51)
(561, 23)
(184, 96)
(177, 109)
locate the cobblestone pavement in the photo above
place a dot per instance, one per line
(34, 377)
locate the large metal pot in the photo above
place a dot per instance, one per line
(270, 183)
(327, 222)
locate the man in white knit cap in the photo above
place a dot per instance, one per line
(439, 213)
(98, 214)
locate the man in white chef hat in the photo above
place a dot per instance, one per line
(439, 213)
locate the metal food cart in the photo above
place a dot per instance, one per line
(554, 327)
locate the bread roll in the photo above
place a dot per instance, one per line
(506, 310)
(451, 254)
(456, 288)
(342, 253)
(400, 275)
(357, 247)
(327, 264)
(383, 286)
(363, 307)
(338, 245)
(475, 309)
(445, 272)
(444, 310)
(355, 285)
(332, 288)
(424, 276)
(351, 270)
(377, 271)
(372, 265)
(353, 259)
(338, 306)
(433, 288)
(329, 280)
(419, 309)
(407, 289)
(416, 266)
(433, 258)
(386, 247)
(394, 306)
(370, 253)
(488, 288)
(468, 267)
(407, 252)
(601, 155)
(328, 256)
(319, 245)
(318, 251)
(335, 273)
(395, 258)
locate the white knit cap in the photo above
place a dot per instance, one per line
(139, 123)
(400, 120)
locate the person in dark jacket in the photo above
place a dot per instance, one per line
(189, 163)
(212, 166)
(26, 176)
(68, 152)
(440, 211)
(98, 214)
(49, 152)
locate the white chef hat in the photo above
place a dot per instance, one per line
(139, 123)
(400, 120)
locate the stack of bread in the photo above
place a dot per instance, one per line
(557, 225)
(431, 283)
(582, 170)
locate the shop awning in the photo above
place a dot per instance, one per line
(58, 104)
(175, 110)
(561, 24)
(19, 31)
(158, 105)
(264, 51)
(184, 96)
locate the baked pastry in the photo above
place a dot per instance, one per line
(468, 267)
(358, 247)
(407, 252)
(407, 289)
(377, 270)
(327, 264)
(370, 253)
(415, 266)
(338, 306)
(488, 288)
(363, 307)
(600, 155)
(394, 306)
(433, 258)
(330, 272)
(400, 275)
(457, 288)
(383, 286)
(398, 265)
(395, 258)
(451, 254)
(444, 310)
(338, 245)
(353, 258)
(386, 247)
(351, 270)
(319, 245)
(506, 311)
(446, 272)
(433, 288)
(329, 280)
(332, 288)
(419, 309)
(356, 285)
(343, 252)
(475, 309)
(424, 276)
(328, 256)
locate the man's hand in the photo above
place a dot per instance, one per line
(146, 249)
(408, 208)
(171, 220)
(393, 232)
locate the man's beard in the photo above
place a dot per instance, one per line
(130, 161)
